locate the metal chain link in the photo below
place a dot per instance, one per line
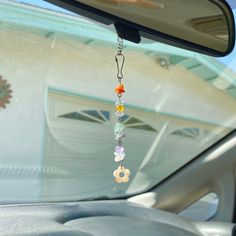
(119, 45)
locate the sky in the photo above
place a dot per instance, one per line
(43, 4)
(229, 60)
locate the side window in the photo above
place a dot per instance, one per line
(202, 210)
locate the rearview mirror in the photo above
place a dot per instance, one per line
(205, 26)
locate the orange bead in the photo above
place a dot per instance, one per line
(120, 108)
(120, 89)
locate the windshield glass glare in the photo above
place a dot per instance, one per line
(57, 98)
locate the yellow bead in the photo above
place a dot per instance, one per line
(120, 108)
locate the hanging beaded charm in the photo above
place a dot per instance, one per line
(121, 174)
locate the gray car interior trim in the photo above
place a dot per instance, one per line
(214, 172)
(101, 218)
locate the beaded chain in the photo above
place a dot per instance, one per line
(121, 174)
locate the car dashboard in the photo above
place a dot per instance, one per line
(101, 218)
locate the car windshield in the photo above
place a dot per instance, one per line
(58, 75)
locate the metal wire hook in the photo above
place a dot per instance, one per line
(120, 60)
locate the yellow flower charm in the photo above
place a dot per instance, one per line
(121, 175)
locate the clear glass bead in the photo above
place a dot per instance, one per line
(119, 158)
(119, 114)
(120, 102)
(119, 130)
